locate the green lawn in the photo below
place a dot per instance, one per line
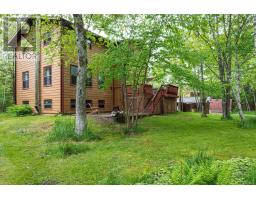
(116, 159)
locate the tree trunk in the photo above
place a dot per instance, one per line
(181, 104)
(81, 42)
(254, 24)
(4, 94)
(254, 99)
(246, 101)
(125, 100)
(203, 99)
(237, 92)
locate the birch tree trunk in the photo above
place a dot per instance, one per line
(81, 43)
(246, 101)
(237, 92)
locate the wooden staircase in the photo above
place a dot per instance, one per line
(163, 91)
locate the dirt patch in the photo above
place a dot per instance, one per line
(105, 118)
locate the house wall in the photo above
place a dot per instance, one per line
(169, 105)
(53, 91)
(165, 106)
(92, 93)
(25, 62)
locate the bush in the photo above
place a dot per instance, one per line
(203, 169)
(64, 130)
(67, 149)
(198, 169)
(237, 171)
(250, 122)
(20, 110)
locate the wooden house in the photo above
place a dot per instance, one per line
(48, 85)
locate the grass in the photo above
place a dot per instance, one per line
(27, 157)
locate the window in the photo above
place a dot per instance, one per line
(101, 81)
(25, 102)
(73, 74)
(47, 103)
(88, 103)
(101, 103)
(25, 79)
(48, 76)
(72, 103)
(47, 38)
(89, 78)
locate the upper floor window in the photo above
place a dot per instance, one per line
(101, 81)
(73, 74)
(47, 103)
(89, 78)
(25, 80)
(48, 75)
(47, 38)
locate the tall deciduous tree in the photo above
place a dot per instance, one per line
(130, 56)
(81, 41)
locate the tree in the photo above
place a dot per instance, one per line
(130, 56)
(224, 36)
(81, 123)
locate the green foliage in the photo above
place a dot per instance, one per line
(237, 171)
(117, 159)
(198, 169)
(249, 122)
(20, 110)
(203, 169)
(135, 130)
(64, 130)
(67, 149)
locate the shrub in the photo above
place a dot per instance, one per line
(250, 122)
(203, 169)
(198, 169)
(20, 110)
(237, 171)
(64, 130)
(67, 149)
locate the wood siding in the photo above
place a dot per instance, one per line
(51, 58)
(53, 91)
(92, 93)
(25, 62)
(60, 91)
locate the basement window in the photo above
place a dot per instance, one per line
(48, 76)
(73, 74)
(25, 80)
(47, 103)
(88, 104)
(25, 102)
(72, 103)
(101, 103)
